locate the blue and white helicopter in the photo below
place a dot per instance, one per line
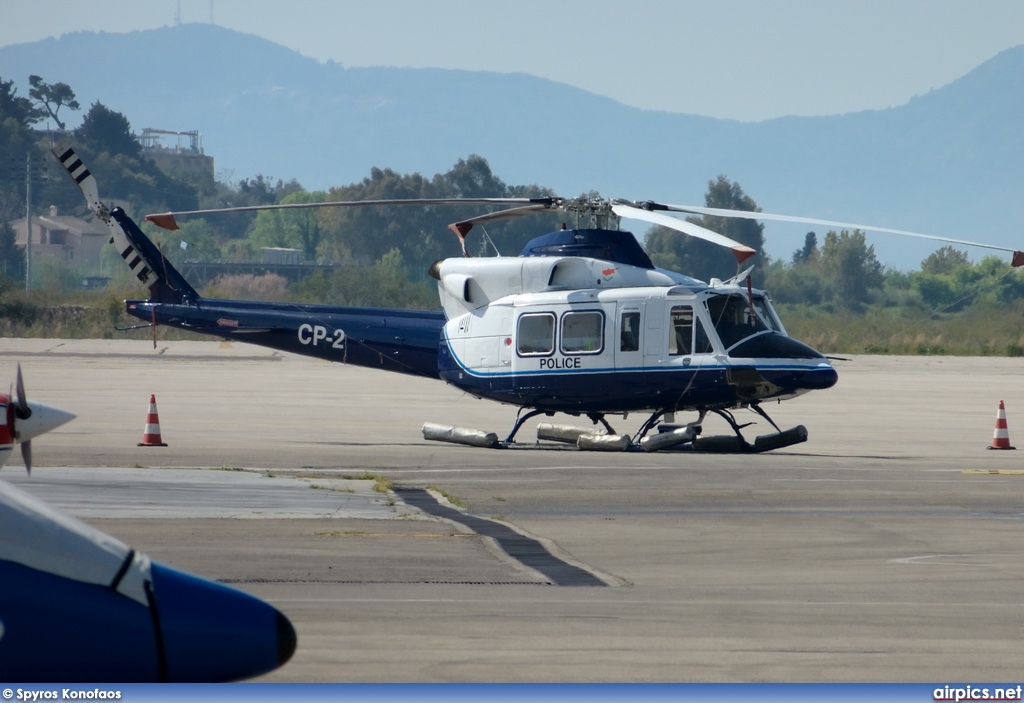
(581, 322)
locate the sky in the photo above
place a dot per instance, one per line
(747, 60)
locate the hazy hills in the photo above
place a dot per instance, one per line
(948, 162)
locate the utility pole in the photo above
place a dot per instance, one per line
(28, 220)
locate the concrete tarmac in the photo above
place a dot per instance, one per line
(886, 548)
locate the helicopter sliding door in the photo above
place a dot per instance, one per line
(679, 360)
(630, 335)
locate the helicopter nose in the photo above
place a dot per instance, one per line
(820, 377)
(41, 419)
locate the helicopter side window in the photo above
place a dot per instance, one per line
(688, 335)
(536, 334)
(681, 339)
(583, 332)
(630, 332)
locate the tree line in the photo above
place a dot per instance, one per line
(381, 254)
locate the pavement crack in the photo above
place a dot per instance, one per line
(526, 550)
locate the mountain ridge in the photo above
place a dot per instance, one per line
(946, 162)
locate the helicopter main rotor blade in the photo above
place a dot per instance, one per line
(741, 251)
(462, 227)
(1017, 259)
(167, 220)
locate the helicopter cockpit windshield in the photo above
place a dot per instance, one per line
(753, 330)
(731, 316)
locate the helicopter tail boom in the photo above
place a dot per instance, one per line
(404, 341)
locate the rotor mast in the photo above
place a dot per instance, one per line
(591, 213)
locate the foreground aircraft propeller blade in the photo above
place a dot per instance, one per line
(22, 409)
(1017, 258)
(741, 251)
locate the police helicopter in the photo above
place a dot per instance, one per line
(580, 323)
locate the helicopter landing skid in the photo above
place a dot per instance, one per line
(511, 439)
(687, 437)
(670, 437)
(736, 443)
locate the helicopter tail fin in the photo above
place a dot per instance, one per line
(148, 263)
(143, 257)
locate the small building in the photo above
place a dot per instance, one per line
(64, 238)
(178, 160)
(281, 255)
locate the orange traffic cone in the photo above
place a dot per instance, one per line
(1001, 437)
(151, 435)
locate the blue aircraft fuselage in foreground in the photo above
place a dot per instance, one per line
(78, 605)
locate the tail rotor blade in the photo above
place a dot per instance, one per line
(81, 175)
